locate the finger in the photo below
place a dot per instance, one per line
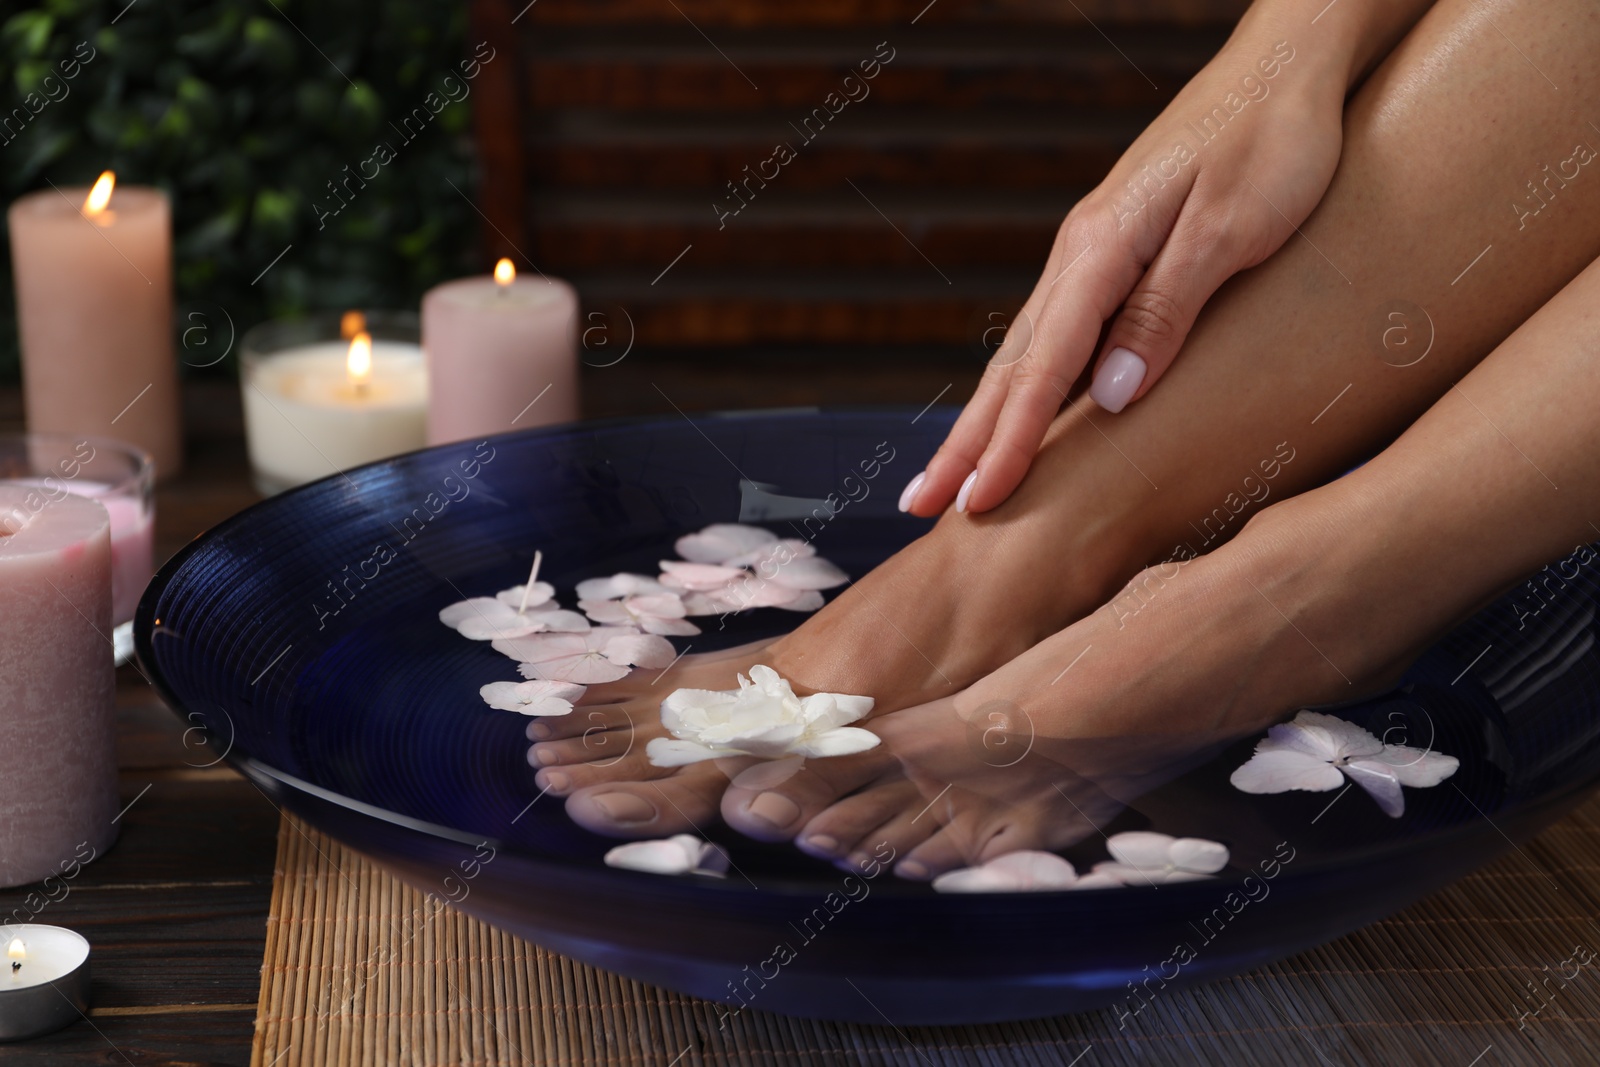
(958, 455)
(1155, 320)
(1065, 336)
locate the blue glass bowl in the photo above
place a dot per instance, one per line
(301, 637)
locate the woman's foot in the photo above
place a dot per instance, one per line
(926, 623)
(1044, 751)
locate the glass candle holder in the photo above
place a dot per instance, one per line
(119, 476)
(330, 392)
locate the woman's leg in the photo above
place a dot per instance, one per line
(1344, 583)
(1417, 262)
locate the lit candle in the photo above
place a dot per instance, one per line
(93, 273)
(315, 407)
(117, 475)
(502, 354)
(58, 767)
(48, 984)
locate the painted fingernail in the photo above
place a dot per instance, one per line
(554, 782)
(1118, 378)
(775, 809)
(538, 731)
(966, 491)
(908, 495)
(625, 808)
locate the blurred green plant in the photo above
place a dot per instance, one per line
(245, 111)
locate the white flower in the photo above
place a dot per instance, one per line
(1140, 857)
(763, 717)
(654, 613)
(679, 854)
(714, 589)
(1015, 872)
(532, 698)
(1315, 752)
(618, 586)
(538, 594)
(483, 618)
(602, 654)
(723, 541)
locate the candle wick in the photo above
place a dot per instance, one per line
(538, 558)
(16, 965)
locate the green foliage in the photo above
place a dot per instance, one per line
(248, 112)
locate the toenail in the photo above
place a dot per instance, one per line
(966, 491)
(908, 495)
(911, 869)
(538, 731)
(625, 807)
(545, 756)
(822, 843)
(775, 809)
(556, 782)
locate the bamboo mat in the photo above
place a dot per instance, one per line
(360, 969)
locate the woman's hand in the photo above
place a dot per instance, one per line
(1215, 185)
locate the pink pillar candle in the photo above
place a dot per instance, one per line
(58, 765)
(94, 314)
(502, 355)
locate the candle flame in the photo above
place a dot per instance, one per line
(359, 362)
(352, 323)
(505, 272)
(17, 950)
(100, 195)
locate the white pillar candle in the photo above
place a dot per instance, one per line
(502, 354)
(316, 409)
(58, 766)
(94, 316)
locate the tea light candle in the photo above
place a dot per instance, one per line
(58, 767)
(502, 354)
(93, 273)
(319, 408)
(45, 982)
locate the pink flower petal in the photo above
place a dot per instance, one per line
(642, 650)
(722, 541)
(698, 577)
(1275, 769)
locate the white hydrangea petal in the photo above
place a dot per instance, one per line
(764, 558)
(1274, 769)
(495, 628)
(471, 607)
(541, 698)
(1141, 848)
(616, 586)
(1197, 855)
(1381, 782)
(1015, 872)
(1348, 738)
(1127, 874)
(606, 611)
(712, 860)
(1096, 879)
(585, 668)
(541, 593)
(809, 572)
(699, 577)
(675, 752)
(651, 624)
(1418, 768)
(652, 857)
(1043, 870)
(722, 541)
(641, 650)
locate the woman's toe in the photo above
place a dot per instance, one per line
(683, 802)
(773, 799)
(622, 766)
(867, 830)
(582, 719)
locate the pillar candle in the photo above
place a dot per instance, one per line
(58, 766)
(502, 354)
(94, 314)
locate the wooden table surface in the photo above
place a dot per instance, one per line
(177, 910)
